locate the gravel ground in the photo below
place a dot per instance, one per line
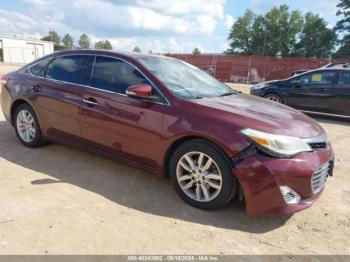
(5, 68)
(59, 200)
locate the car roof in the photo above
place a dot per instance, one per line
(134, 55)
(330, 69)
(122, 54)
(326, 69)
(335, 64)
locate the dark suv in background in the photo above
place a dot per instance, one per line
(322, 90)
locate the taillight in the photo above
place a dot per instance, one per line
(3, 79)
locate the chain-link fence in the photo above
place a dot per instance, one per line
(251, 69)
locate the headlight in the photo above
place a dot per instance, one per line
(259, 86)
(277, 145)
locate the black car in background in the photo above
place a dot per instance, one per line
(321, 90)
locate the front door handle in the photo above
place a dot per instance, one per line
(90, 102)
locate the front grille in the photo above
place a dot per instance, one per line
(320, 176)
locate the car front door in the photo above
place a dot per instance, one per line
(341, 103)
(125, 127)
(313, 91)
(58, 90)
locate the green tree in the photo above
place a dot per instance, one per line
(241, 34)
(84, 41)
(136, 49)
(284, 32)
(343, 28)
(196, 51)
(68, 41)
(103, 45)
(99, 45)
(316, 39)
(52, 37)
(259, 35)
(281, 31)
(108, 45)
(274, 33)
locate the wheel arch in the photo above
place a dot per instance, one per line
(16, 103)
(184, 139)
(14, 106)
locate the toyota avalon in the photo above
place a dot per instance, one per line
(172, 119)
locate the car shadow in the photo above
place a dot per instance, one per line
(127, 186)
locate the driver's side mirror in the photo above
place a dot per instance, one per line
(142, 91)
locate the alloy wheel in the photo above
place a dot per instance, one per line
(273, 98)
(26, 126)
(199, 176)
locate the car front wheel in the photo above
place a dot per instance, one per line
(274, 98)
(201, 175)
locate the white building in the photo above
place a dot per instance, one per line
(16, 50)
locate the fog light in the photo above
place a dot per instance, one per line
(289, 195)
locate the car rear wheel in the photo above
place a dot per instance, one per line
(201, 175)
(274, 98)
(27, 126)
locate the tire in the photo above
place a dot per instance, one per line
(274, 98)
(26, 119)
(196, 195)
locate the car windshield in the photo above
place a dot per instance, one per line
(185, 80)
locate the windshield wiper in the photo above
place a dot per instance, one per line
(227, 94)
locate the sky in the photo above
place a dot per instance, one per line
(176, 26)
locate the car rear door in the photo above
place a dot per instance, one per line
(58, 93)
(313, 91)
(341, 103)
(116, 124)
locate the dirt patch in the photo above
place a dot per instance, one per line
(6, 68)
(244, 88)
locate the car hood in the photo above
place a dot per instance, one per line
(272, 82)
(267, 84)
(260, 114)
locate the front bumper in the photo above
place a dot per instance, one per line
(5, 102)
(261, 178)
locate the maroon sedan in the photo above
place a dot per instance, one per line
(172, 119)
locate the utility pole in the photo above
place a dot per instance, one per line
(265, 36)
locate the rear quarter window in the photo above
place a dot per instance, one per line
(39, 68)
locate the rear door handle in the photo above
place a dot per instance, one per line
(90, 102)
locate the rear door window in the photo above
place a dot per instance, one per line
(115, 75)
(72, 69)
(345, 78)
